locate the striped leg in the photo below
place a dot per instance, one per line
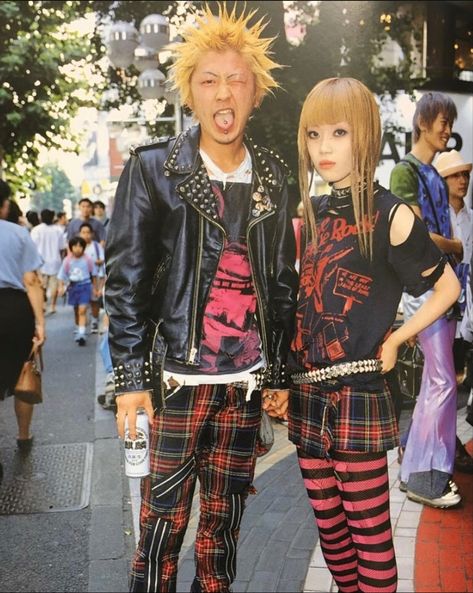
(362, 480)
(335, 538)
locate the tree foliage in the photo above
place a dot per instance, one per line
(39, 92)
(342, 39)
(39, 88)
(59, 188)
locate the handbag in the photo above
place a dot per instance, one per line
(409, 366)
(28, 387)
(265, 438)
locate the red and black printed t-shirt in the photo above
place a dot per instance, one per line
(230, 338)
(347, 303)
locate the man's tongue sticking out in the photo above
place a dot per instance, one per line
(224, 119)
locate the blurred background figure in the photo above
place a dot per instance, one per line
(85, 215)
(95, 251)
(15, 214)
(456, 173)
(100, 213)
(427, 462)
(21, 311)
(32, 219)
(51, 244)
(78, 276)
(61, 222)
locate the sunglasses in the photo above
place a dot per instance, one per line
(460, 174)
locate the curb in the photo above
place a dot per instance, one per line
(110, 522)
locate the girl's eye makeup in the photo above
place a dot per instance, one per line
(312, 134)
(340, 132)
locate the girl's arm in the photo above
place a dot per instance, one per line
(445, 293)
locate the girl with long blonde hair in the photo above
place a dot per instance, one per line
(364, 245)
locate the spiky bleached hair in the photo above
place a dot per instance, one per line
(220, 33)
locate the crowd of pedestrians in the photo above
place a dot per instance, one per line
(39, 266)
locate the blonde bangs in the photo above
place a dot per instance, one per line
(344, 100)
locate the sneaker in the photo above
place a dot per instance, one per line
(403, 486)
(81, 341)
(106, 403)
(449, 498)
(94, 327)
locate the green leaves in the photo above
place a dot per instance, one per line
(37, 42)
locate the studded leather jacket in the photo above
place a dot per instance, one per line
(163, 247)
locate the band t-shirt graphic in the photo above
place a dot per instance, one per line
(230, 337)
(347, 303)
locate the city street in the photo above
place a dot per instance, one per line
(68, 514)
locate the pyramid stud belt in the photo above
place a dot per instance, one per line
(370, 365)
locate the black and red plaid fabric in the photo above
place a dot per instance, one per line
(344, 420)
(207, 432)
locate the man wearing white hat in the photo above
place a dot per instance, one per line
(456, 173)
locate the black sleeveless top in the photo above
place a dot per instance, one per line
(347, 303)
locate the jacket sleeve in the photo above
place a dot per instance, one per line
(283, 291)
(130, 261)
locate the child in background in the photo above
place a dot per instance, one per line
(95, 251)
(79, 273)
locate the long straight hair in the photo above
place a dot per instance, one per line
(344, 100)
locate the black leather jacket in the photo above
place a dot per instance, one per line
(163, 247)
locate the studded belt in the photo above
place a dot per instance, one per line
(371, 365)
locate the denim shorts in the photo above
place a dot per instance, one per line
(79, 294)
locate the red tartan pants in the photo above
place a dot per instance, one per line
(206, 432)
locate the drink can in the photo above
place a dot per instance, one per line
(137, 451)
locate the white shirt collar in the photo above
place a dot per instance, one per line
(242, 174)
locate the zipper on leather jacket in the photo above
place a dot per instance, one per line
(161, 366)
(255, 283)
(193, 342)
(192, 346)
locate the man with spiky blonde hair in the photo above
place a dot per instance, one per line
(201, 295)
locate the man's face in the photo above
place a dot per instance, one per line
(85, 210)
(438, 134)
(458, 184)
(223, 95)
(86, 234)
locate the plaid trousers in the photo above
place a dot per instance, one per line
(207, 432)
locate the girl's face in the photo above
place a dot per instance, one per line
(77, 250)
(330, 151)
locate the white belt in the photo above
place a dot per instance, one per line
(250, 379)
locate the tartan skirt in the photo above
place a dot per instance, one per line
(344, 420)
